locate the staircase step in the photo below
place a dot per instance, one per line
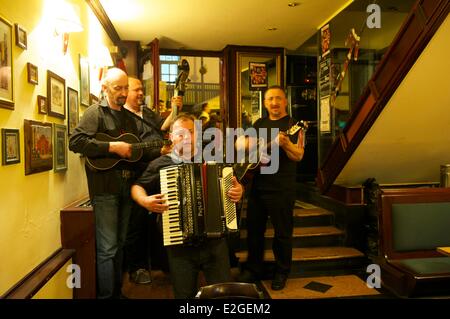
(311, 254)
(307, 261)
(304, 217)
(303, 236)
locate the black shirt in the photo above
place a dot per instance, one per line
(284, 178)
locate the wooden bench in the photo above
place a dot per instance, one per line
(412, 224)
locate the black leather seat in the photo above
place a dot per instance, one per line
(230, 290)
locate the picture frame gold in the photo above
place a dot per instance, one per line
(60, 147)
(21, 36)
(10, 146)
(84, 81)
(38, 138)
(72, 110)
(6, 65)
(42, 104)
(32, 72)
(56, 95)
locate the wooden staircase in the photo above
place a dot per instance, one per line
(318, 245)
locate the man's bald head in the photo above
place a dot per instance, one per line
(115, 87)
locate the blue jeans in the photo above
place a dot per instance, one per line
(112, 212)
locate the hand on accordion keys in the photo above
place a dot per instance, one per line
(236, 191)
(156, 203)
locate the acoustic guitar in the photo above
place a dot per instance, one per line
(244, 171)
(105, 163)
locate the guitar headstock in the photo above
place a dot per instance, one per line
(182, 78)
(301, 125)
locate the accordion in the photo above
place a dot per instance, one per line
(198, 205)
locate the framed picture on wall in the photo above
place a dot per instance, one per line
(72, 106)
(21, 36)
(258, 75)
(56, 95)
(10, 146)
(84, 81)
(32, 72)
(93, 98)
(60, 147)
(38, 146)
(42, 104)
(6, 66)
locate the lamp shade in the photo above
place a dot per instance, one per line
(67, 20)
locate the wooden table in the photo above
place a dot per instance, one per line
(444, 250)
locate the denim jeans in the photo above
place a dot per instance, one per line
(112, 212)
(136, 249)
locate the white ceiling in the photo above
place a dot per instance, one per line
(212, 24)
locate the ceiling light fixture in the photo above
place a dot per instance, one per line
(272, 29)
(293, 4)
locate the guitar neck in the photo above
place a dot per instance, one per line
(151, 144)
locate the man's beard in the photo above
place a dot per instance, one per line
(120, 101)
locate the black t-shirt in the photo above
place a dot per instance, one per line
(150, 179)
(284, 178)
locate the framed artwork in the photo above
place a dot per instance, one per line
(84, 81)
(56, 95)
(258, 75)
(32, 73)
(6, 67)
(42, 104)
(93, 98)
(21, 36)
(10, 146)
(38, 146)
(60, 147)
(72, 106)
(325, 39)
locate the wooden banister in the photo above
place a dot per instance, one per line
(29, 285)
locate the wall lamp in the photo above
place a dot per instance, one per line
(66, 22)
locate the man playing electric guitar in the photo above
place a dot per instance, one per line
(274, 195)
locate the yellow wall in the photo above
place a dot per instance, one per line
(56, 288)
(30, 205)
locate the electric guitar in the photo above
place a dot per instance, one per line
(105, 163)
(180, 83)
(244, 171)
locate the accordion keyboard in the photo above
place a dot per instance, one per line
(228, 206)
(173, 234)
